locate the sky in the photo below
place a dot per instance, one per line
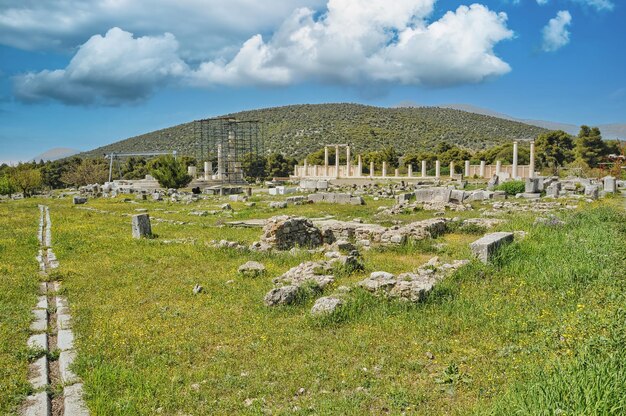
(85, 73)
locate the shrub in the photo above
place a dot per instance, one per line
(512, 187)
(170, 172)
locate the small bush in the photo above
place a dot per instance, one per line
(512, 187)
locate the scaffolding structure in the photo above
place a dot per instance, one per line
(223, 143)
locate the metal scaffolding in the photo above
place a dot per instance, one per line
(225, 142)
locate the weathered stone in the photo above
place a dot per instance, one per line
(610, 184)
(326, 305)
(37, 404)
(156, 196)
(39, 373)
(433, 195)
(73, 401)
(286, 232)
(284, 295)
(532, 185)
(493, 182)
(252, 269)
(278, 204)
(79, 200)
(65, 340)
(592, 191)
(141, 226)
(66, 359)
(553, 190)
(486, 247)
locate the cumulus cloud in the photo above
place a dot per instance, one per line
(556, 33)
(61, 25)
(354, 42)
(107, 69)
(542, 2)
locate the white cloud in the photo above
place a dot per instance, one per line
(355, 42)
(61, 25)
(111, 69)
(542, 2)
(597, 4)
(556, 33)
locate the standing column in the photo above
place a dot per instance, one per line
(359, 170)
(371, 169)
(424, 170)
(348, 162)
(532, 159)
(467, 168)
(396, 173)
(437, 169)
(306, 169)
(220, 163)
(315, 170)
(482, 168)
(451, 168)
(207, 171)
(514, 169)
(410, 169)
(337, 161)
(326, 161)
(498, 167)
(384, 169)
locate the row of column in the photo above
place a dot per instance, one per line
(514, 171)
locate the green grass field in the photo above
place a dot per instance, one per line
(541, 331)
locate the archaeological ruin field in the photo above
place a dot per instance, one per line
(170, 325)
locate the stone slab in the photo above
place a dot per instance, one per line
(42, 302)
(73, 401)
(40, 323)
(486, 247)
(65, 340)
(64, 321)
(39, 373)
(66, 358)
(37, 405)
(38, 341)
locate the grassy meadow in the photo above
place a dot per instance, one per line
(540, 331)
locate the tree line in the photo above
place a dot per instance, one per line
(554, 150)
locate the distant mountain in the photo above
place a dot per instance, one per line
(609, 131)
(55, 154)
(298, 130)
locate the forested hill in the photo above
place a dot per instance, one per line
(301, 129)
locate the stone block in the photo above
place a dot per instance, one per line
(66, 358)
(79, 200)
(37, 405)
(141, 226)
(532, 185)
(486, 247)
(65, 339)
(39, 373)
(73, 401)
(592, 191)
(38, 341)
(433, 195)
(610, 185)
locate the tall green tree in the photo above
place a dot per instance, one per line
(590, 148)
(170, 172)
(7, 187)
(253, 166)
(555, 149)
(88, 171)
(26, 179)
(278, 166)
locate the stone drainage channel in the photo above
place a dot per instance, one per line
(52, 334)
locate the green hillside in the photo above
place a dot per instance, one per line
(300, 129)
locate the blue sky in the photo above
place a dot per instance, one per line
(82, 74)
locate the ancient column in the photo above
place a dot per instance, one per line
(315, 170)
(207, 171)
(514, 168)
(424, 170)
(498, 167)
(410, 170)
(348, 162)
(482, 168)
(467, 168)
(451, 168)
(437, 169)
(384, 169)
(306, 169)
(192, 171)
(371, 169)
(325, 160)
(359, 170)
(396, 172)
(531, 166)
(337, 161)
(220, 163)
